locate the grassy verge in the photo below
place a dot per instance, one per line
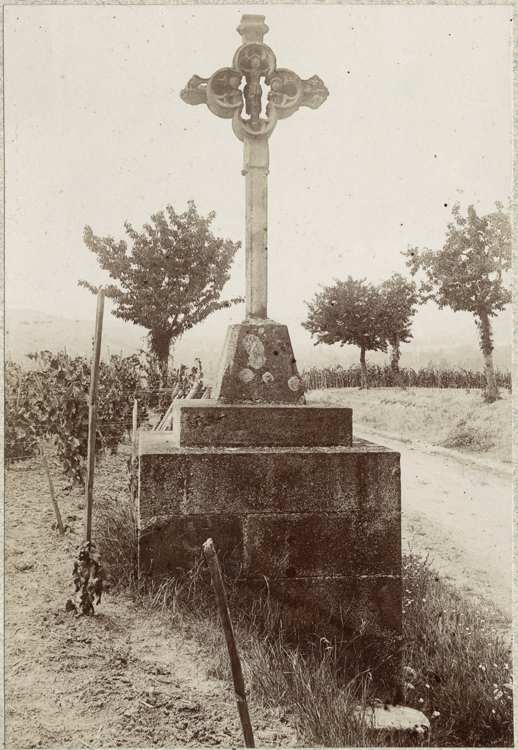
(457, 665)
(451, 418)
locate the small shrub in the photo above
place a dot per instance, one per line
(490, 398)
(52, 403)
(470, 437)
(89, 580)
(22, 426)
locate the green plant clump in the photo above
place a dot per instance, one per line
(469, 437)
(457, 661)
(21, 427)
(89, 580)
(52, 403)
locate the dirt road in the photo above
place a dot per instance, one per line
(456, 508)
(458, 511)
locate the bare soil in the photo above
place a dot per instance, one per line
(127, 678)
(123, 678)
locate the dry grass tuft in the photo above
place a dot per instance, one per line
(458, 664)
(114, 529)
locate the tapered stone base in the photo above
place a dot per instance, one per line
(257, 365)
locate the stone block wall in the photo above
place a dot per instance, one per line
(320, 520)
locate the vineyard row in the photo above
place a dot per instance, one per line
(384, 377)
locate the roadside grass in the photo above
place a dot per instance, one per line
(114, 530)
(447, 417)
(457, 664)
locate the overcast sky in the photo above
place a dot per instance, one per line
(418, 117)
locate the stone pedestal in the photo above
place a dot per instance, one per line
(206, 423)
(291, 503)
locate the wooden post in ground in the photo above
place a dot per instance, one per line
(52, 493)
(235, 664)
(134, 452)
(134, 433)
(92, 415)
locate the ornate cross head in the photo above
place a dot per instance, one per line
(252, 62)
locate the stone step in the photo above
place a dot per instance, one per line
(198, 422)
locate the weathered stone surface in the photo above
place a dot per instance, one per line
(360, 480)
(255, 170)
(257, 365)
(165, 544)
(394, 718)
(318, 528)
(209, 423)
(350, 603)
(290, 546)
(302, 512)
(313, 544)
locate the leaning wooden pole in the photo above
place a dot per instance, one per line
(235, 664)
(52, 493)
(92, 415)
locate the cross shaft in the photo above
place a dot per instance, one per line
(221, 92)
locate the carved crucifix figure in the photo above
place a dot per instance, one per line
(221, 92)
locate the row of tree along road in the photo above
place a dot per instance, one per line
(468, 273)
(173, 276)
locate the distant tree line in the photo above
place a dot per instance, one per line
(173, 275)
(370, 317)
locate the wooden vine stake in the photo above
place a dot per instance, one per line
(134, 447)
(92, 416)
(235, 664)
(133, 481)
(51, 490)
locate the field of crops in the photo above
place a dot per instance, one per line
(383, 377)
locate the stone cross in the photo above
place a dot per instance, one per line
(221, 92)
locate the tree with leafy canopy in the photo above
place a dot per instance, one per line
(469, 273)
(171, 279)
(350, 312)
(399, 300)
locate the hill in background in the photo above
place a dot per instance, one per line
(29, 331)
